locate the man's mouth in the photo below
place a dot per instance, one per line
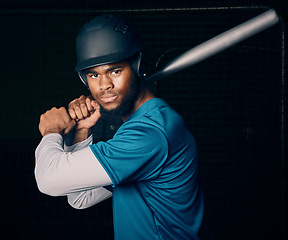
(108, 98)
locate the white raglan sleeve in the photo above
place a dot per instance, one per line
(76, 173)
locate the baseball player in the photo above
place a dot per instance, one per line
(149, 167)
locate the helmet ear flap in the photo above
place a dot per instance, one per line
(82, 76)
(138, 65)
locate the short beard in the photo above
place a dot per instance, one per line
(127, 105)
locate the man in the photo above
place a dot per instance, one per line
(150, 165)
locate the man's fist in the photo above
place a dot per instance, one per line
(56, 121)
(85, 111)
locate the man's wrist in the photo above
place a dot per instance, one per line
(82, 134)
(83, 131)
(52, 131)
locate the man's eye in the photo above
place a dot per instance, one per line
(93, 75)
(116, 72)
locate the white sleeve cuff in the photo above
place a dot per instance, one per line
(78, 146)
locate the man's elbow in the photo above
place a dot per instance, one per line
(76, 205)
(47, 186)
(46, 189)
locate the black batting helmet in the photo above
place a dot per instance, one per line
(108, 39)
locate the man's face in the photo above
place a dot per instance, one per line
(114, 87)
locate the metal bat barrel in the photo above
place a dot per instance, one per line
(217, 44)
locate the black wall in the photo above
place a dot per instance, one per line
(233, 104)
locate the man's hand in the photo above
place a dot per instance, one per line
(85, 111)
(56, 121)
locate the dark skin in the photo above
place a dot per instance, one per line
(109, 84)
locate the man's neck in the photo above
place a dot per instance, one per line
(145, 96)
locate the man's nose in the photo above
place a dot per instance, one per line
(105, 83)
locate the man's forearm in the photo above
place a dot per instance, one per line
(69, 147)
(81, 135)
(86, 199)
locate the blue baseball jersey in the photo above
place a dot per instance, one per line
(152, 161)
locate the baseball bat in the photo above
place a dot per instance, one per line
(217, 44)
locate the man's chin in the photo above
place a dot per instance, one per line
(120, 111)
(109, 107)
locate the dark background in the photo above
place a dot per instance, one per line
(234, 103)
